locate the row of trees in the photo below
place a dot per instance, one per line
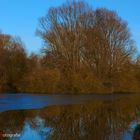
(86, 51)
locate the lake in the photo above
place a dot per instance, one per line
(68, 117)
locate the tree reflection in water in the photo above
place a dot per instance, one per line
(97, 120)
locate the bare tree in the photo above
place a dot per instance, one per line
(78, 37)
(12, 63)
(62, 29)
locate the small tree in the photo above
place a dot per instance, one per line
(12, 63)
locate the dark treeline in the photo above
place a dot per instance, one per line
(85, 51)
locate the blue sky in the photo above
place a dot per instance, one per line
(20, 17)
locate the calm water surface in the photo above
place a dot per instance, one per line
(57, 117)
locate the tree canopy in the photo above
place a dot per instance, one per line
(85, 50)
